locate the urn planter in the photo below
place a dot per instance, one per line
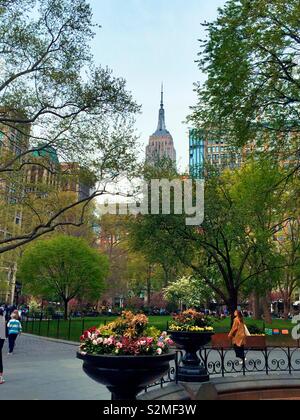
(191, 369)
(126, 376)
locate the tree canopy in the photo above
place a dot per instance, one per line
(251, 57)
(57, 106)
(63, 267)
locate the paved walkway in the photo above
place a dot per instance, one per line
(46, 370)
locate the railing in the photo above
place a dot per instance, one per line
(223, 362)
(69, 330)
(265, 361)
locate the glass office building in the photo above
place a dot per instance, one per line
(197, 153)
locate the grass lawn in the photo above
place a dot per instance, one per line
(72, 330)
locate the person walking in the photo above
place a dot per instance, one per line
(17, 313)
(14, 329)
(238, 335)
(2, 341)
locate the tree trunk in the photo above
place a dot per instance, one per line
(233, 305)
(287, 308)
(267, 311)
(66, 310)
(256, 306)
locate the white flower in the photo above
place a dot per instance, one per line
(95, 342)
(159, 351)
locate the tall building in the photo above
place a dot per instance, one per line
(197, 154)
(208, 148)
(161, 144)
(14, 141)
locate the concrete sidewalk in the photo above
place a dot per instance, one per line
(46, 370)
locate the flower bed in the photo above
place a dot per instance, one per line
(191, 321)
(129, 335)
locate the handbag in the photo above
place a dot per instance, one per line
(247, 331)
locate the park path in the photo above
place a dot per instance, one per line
(46, 370)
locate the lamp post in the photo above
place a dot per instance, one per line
(18, 289)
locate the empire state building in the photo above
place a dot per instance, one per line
(161, 144)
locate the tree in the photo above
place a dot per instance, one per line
(288, 241)
(188, 291)
(235, 243)
(151, 242)
(53, 98)
(64, 267)
(252, 60)
(130, 271)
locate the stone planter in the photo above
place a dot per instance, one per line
(221, 341)
(126, 376)
(191, 369)
(256, 342)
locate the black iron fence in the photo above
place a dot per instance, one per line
(223, 362)
(69, 330)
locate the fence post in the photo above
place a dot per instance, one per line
(48, 328)
(267, 360)
(290, 360)
(32, 327)
(82, 326)
(58, 322)
(176, 367)
(223, 362)
(69, 332)
(40, 324)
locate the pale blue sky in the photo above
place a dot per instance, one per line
(150, 41)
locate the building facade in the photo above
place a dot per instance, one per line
(13, 142)
(197, 154)
(161, 144)
(208, 149)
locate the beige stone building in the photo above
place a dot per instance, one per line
(161, 144)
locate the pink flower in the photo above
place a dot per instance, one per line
(119, 345)
(110, 341)
(161, 344)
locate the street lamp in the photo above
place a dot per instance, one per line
(18, 289)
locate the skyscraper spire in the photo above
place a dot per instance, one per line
(161, 118)
(161, 144)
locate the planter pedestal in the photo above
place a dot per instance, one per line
(126, 376)
(192, 369)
